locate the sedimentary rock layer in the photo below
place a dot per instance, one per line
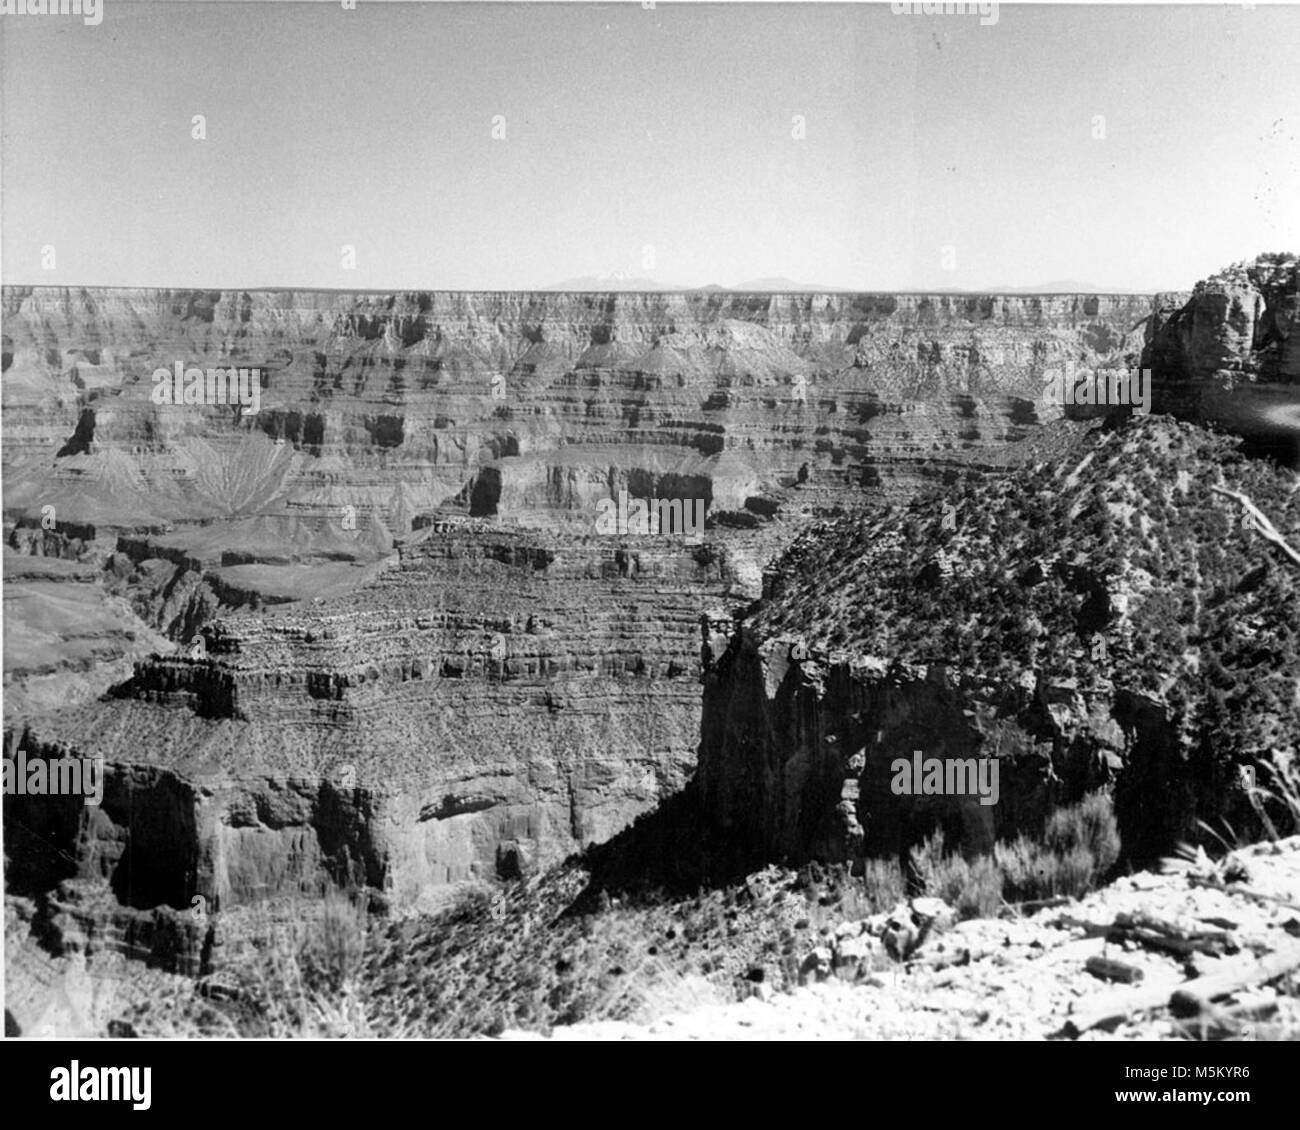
(403, 398)
(408, 657)
(495, 700)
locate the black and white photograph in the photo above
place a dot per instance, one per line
(647, 521)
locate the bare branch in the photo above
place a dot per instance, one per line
(1262, 524)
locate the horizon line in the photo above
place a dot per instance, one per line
(707, 289)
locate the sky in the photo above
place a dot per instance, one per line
(504, 146)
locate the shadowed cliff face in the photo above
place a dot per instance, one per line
(799, 756)
(798, 750)
(407, 657)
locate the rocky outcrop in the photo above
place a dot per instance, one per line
(1086, 630)
(799, 748)
(1230, 355)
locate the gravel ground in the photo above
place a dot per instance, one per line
(1026, 977)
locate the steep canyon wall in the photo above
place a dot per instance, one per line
(370, 635)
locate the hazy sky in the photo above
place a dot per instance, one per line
(629, 129)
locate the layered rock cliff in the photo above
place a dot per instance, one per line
(403, 655)
(402, 399)
(494, 701)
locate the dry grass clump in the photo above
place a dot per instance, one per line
(300, 980)
(1079, 846)
(972, 887)
(1277, 799)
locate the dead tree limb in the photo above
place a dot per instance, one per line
(1266, 528)
(1106, 969)
(1195, 996)
(1156, 933)
(1185, 998)
(1238, 889)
